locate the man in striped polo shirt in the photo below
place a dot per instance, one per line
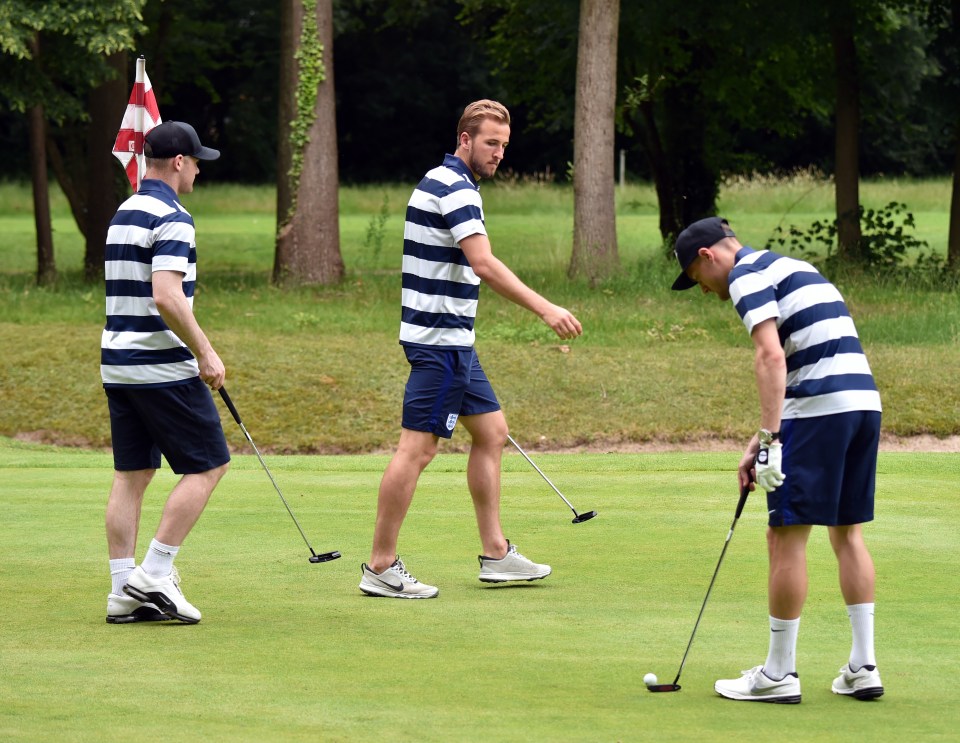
(156, 363)
(446, 254)
(816, 451)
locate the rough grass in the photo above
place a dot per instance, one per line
(319, 369)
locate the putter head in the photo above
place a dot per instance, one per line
(325, 557)
(663, 687)
(581, 517)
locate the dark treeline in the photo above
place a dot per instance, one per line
(404, 71)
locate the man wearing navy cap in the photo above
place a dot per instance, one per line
(816, 449)
(156, 364)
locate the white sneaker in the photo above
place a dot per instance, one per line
(863, 684)
(164, 592)
(755, 686)
(395, 582)
(512, 566)
(126, 610)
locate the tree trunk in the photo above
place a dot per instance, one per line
(46, 263)
(663, 182)
(104, 178)
(286, 109)
(953, 240)
(594, 217)
(847, 135)
(308, 237)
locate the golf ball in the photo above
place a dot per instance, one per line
(650, 679)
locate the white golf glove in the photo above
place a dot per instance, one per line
(769, 467)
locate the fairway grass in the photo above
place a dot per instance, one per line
(289, 651)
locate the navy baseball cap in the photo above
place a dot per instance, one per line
(701, 234)
(172, 138)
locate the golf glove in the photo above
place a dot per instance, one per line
(769, 467)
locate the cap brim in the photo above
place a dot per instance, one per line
(207, 153)
(683, 282)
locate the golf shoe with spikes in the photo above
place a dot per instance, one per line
(863, 684)
(162, 591)
(127, 610)
(755, 686)
(511, 567)
(395, 582)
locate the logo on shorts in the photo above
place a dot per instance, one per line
(451, 421)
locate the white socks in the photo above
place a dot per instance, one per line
(159, 559)
(782, 656)
(861, 622)
(119, 570)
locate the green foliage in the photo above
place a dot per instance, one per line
(310, 75)
(377, 227)
(887, 245)
(73, 39)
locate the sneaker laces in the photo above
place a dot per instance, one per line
(404, 573)
(175, 578)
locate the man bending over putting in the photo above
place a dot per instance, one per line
(816, 451)
(154, 361)
(446, 254)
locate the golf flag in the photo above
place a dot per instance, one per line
(141, 115)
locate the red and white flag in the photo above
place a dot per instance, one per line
(141, 115)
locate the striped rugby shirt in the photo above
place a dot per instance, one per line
(827, 371)
(151, 231)
(440, 290)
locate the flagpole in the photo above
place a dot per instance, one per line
(138, 117)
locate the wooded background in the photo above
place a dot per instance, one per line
(692, 92)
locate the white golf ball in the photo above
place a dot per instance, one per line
(650, 679)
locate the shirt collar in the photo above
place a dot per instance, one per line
(743, 253)
(455, 163)
(155, 185)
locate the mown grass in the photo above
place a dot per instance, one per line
(319, 369)
(291, 651)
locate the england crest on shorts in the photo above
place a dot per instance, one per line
(451, 421)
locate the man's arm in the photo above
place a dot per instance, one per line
(506, 283)
(770, 370)
(178, 315)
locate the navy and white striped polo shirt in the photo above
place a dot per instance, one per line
(151, 231)
(827, 371)
(440, 290)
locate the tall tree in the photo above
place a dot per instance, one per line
(105, 183)
(594, 252)
(308, 230)
(46, 262)
(847, 129)
(54, 54)
(953, 240)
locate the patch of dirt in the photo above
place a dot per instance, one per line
(922, 443)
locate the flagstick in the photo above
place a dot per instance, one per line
(138, 118)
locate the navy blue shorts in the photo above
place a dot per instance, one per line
(181, 422)
(830, 463)
(443, 385)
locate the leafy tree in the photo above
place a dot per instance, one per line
(53, 55)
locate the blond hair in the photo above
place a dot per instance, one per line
(477, 112)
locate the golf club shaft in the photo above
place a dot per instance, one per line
(236, 417)
(744, 492)
(547, 479)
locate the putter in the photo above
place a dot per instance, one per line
(314, 557)
(577, 517)
(675, 686)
